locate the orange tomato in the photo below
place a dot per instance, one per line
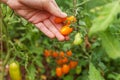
(47, 53)
(59, 62)
(65, 30)
(68, 23)
(59, 71)
(55, 54)
(65, 60)
(65, 69)
(71, 19)
(61, 54)
(69, 53)
(73, 64)
(59, 20)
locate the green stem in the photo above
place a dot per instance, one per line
(74, 7)
(83, 3)
(1, 47)
(8, 50)
(4, 61)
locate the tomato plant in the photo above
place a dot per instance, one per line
(91, 53)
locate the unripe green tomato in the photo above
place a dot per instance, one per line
(14, 71)
(78, 69)
(78, 39)
(48, 60)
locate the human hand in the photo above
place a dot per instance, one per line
(41, 13)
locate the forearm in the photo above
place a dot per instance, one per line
(4, 1)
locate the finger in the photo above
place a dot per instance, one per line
(55, 4)
(54, 10)
(43, 28)
(26, 14)
(35, 4)
(40, 16)
(67, 38)
(58, 26)
(54, 30)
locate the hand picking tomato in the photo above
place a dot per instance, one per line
(14, 71)
(66, 30)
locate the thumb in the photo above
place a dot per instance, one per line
(51, 8)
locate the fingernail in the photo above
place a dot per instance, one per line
(64, 14)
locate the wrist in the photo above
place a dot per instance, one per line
(4, 1)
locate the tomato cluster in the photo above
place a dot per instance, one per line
(62, 60)
(66, 29)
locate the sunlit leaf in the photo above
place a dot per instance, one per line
(111, 45)
(105, 18)
(94, 74)
(31, 73)
(69, 77)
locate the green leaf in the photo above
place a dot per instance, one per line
(31, 73)
(94, 74)
(69, 77)
(111, 45)
(105, 18)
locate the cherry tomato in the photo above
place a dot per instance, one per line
(71, 19)
(69, 53)
(68, 23)
(78, 69)
(65, 60)
(14, 71)
(59, 71)
(65, 69)
(66, 30)
(73, 64)
(59, 62)
(61, 54)
(55, 54)
(47, 53)
(59, 20)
